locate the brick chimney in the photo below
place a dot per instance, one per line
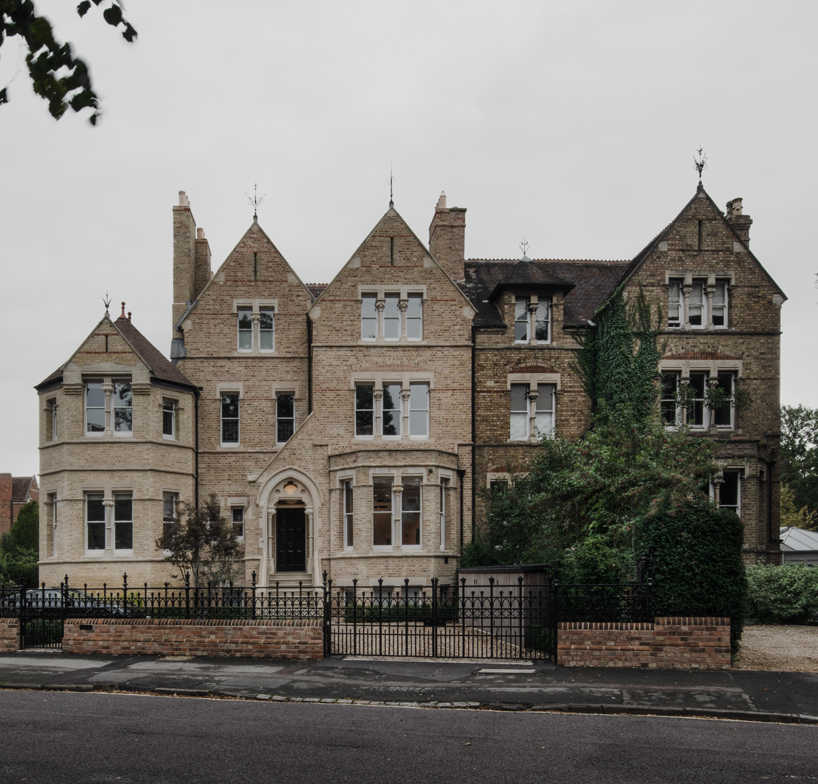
(184, 259)
(447, 238)
(740, 222)
(203, 270)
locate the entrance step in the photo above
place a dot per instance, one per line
(288, 581)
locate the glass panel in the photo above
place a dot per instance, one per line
(95, 510)
(519, 426)
(96, 420)
(674, 303)
(391, 410)
(123, 507)
(230, 406)
(285, 405)
(670, 386)
(96, 536)
(414, 317)
(168, 506)
(720, 304)
(284, 430)
(168, 415)
(364, 396)
(697, 303)
(728, 492)
(123, 420)
(519, 401)
(94, 396)
(230, 431)
(419, 409)
(245, 328)
(364, 423)
(723, 417)
(414, 308)
(122, 395)
(545, 397)
(696, 411)
(348, 518)
(411, 493)
(369, 317)
(541, 322)
(238, 522)
(266, 329)
(410, 508)
(391, 317)
(544, 423)
(521, 318)
(382, 510)
(418, 423)
(411, 528)
(364, 410)
(123, 536)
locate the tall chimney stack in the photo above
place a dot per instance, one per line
(447, 238)
(740, 222)
(184, 259)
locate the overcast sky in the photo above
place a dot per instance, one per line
(572, 124)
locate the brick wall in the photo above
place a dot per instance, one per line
(9, 635)
(263, 639)
(667, 643)
(6, 505)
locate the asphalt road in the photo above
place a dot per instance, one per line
(57, 737)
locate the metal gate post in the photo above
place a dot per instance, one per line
(22, 616)
(434, 617)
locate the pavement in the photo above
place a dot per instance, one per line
(786, 697)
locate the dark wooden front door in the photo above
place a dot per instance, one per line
(291, 553)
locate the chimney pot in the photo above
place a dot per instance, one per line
(441, 202)
(129, 315)
(183, 200)
(200, 235)
(122, 315)
(738, 220)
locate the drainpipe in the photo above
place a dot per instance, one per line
(473, 438)
(309, 366)
(773, 536)
(196, 392)
(461, 473)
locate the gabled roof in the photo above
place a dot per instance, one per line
(640, 257)
(20, 486)
(588, 284)
(159, 367)
(798, 540)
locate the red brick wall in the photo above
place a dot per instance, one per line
(256, 639)
(668, 643)
(9, 635)
(5, 503)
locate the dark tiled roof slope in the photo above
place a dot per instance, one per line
(19, 488)
(593, 282)
(316, 288)
(160, 367)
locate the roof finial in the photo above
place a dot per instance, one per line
(701, 162)
(122, 315)
(106, 300)
(391, 180)
(255, 201)
(524, 249)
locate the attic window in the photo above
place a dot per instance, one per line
(532, 317)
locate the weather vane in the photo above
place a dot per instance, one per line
(391, 180)
(524, 247)
(106, 300)
(701, 162)
(255, 201)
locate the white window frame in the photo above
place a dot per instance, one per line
(172, 498)
(712, 368)
(236, 508)
(411, 480)
(445, 488)
(52, 500)
(416, 411)
(169, 406)
(97, 551)
(279, 394)
(392, 505)
(739, 472)
(86, 388)
(237, 418)
(348, 512)
(266, 309)
(536, 384)
(356, 410)
(406, 381)
(52, 411)
(255, 307)
(116, 522)
(397, 410)
(532, 307)
(675, 301)
(404, 296)
(241, 311)
(114, 408)
(682, 286)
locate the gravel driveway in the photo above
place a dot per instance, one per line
(785, 648)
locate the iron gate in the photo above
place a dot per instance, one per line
(42, 617)
(493, 621)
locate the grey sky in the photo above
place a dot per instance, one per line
(573, 124)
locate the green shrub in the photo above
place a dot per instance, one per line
(595, 560)
(695, 554)
(782, 594)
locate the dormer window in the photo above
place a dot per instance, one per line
(532, 319)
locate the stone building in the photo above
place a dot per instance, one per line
(346, 427)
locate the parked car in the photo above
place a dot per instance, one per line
(73, 604)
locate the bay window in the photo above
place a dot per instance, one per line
(382, 511)
(410, 512)
(123, 521)
(94, 522)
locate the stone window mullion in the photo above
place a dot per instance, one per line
(397, 517)
(710, 290)
(378, 397)
(404, 405)
(403, 305)
(532, 413)
(687, 288)
(108, 503)
(108, 389)
(380, 304)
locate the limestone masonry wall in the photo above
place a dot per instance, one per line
(263, 639)
(667, 643)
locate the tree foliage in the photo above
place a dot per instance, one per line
(202, 544)
(797, 518)
(19, 548)
(56, 74)
(782, 594)
(799, 455)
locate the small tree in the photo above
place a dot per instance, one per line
(202, 544)
(19, 548)
(799, 455)
(797, 518)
